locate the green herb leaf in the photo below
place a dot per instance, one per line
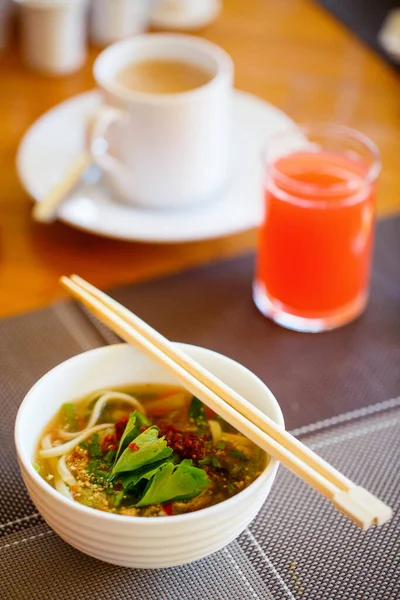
(174, 482)
(110, 457)
(215, 462)
(94, 447)
(93, 465)
(83, 444)
(151, 449)
(132, 429)
(101, 474)
(236, 469)
(231, 488)
(131, 480)
(69, 411)
(117, 498)
(204, 461)
(237, 454)
(197, 413)
(221, 445)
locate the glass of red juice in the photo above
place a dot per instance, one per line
(315, 243)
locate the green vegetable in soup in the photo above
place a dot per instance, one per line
(145, 449)
(69, 411)
(162, 464)
(197, 413)
(174, 482)
(133, 427)
(237, 454)
(131, 480)
(94, 447)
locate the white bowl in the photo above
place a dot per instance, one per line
(139, 542)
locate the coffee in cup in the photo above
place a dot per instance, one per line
(163, 135)
(158, 76)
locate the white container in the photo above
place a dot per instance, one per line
(138, 542)
(113, 20)
(54, 34)
(167, 150)
(184, 15)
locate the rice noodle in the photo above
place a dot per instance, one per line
(65, 448)
(107, 396)
(47, 445)
(64, 472)
(58, 482)
(216, 431)
(62, 488)
(46, 442)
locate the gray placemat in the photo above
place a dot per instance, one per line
(298, 547)
(313, 376)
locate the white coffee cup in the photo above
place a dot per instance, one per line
(164, 150)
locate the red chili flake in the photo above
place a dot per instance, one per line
(120, 426)
(132, 446)
(112, 447)
(186, 443)
(168, 508)
(143, 428)
(107, 442)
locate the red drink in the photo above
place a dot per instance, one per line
(315, 243)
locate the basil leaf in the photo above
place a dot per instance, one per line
(132, 429)
(149, 449)
(174, 482)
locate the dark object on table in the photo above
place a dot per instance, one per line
(364, 18)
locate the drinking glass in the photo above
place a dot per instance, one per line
(315, 244)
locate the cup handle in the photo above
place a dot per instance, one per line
(98, 144)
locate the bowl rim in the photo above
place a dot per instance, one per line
(267, 473)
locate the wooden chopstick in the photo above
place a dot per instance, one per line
(357, 503)
(46, 210)
(227, 394)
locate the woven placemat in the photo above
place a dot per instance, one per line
(298, 547)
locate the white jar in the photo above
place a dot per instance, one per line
(54, 34)
(184, 15)
(113, 20)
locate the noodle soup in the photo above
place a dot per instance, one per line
(145, 450)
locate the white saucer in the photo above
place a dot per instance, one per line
(50, 146)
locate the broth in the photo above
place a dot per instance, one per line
(145, 450)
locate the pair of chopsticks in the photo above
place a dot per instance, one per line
(355, 502)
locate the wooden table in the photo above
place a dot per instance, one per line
(290, 52)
